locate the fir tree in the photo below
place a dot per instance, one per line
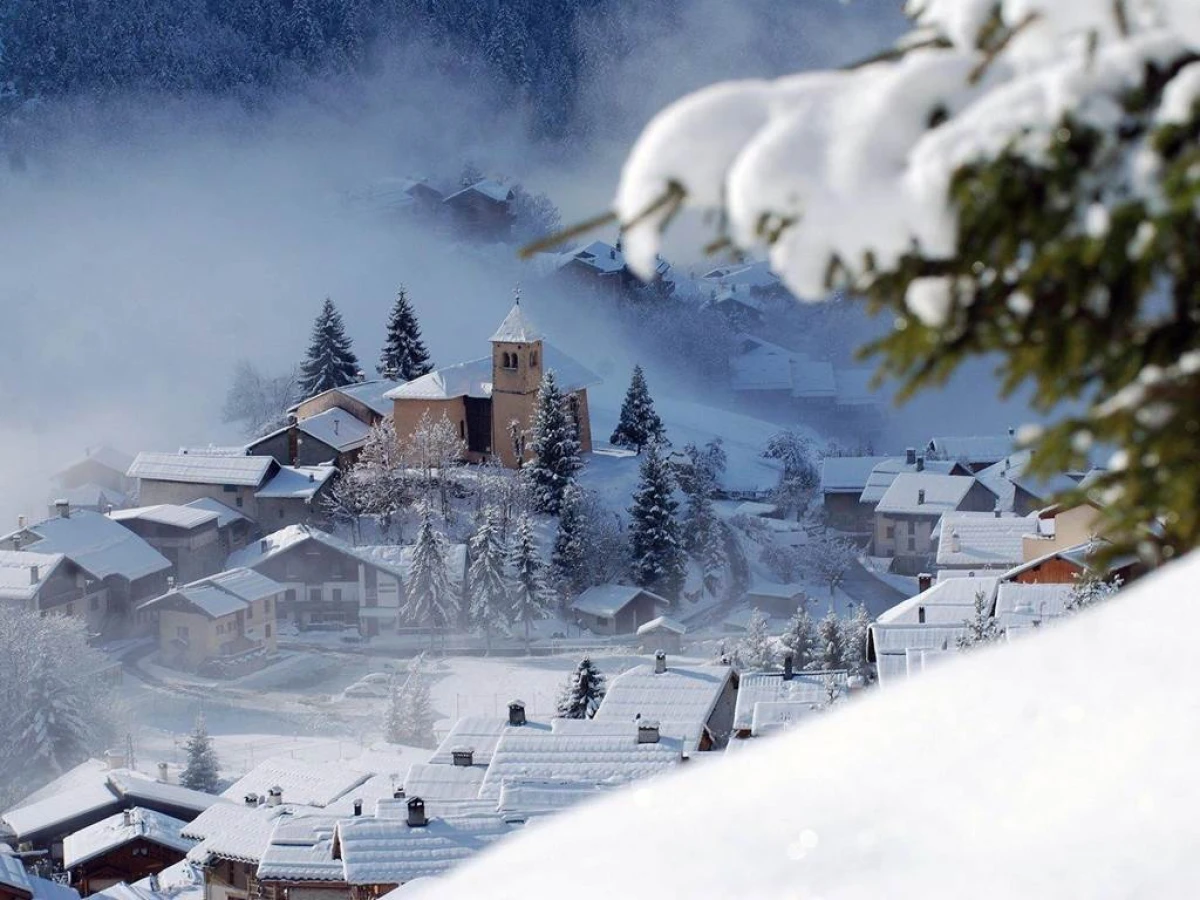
(410, 716)
(555, 448)
(981, 627)
(658, 562)
(1090, 590)
(856, 631)
(530, 597)
(702, 531)
(583, 692)
(800, 639)
(404, 355)
(490, 600)
(756, 651)
(568, 561)
(639, 425)
(831, 644)
(202, 772)
(331, 362)
(429, 596)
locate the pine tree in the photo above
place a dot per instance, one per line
(702, 532)
(568, 561)
(800, 639)
(583, 692)
(555, 448)
(429, 596)
(202, 772)
(410, 717)
(331, 362)
(530, 598)
(856, 631)
(404, 355)
(1090, 590)
(981, 627)
(490, 606)
(54, 733)
(657, 550)
(831, 644)
(639, 425)
(756, 651)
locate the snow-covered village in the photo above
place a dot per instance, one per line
(598, 449)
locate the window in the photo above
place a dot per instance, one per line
(267, 606)
(337, 595)
(239, 502)
(509, 360)
(314, 595)
(912, 544)
(250, 611)
(281, 514)
(220, 628)
(889, 531)
(921, 615)
(181, 632)
(229, 488)
(268, 631)
(462, 430)
(600, 620)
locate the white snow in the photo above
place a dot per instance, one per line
(516, 328)
(186, 517)
(297, 482)
(202, 468)
(98, 544)
(120, 829)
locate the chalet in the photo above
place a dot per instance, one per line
(779, 601)
(1069, 565)
(663, 635)
(948, 602)
(1060, 528)
(910, 508)
(51, 583)
(482, 211)
(295, 495)
(127, 846)
(97, 480)
(976, 453)
(843, 479)
(1017, 490)
(113, 567)
(221, 625)
(188, 536)
(617, 608)
(885, 473)
(1021, 607)
(487, 399)
(694, 703)
(190, 475)
(770, 701)
(366, 401)
(234, 529)
(17, 884)
(333, 436)
(899, 652)
(599, 265)
(399, 197)
(981, 540)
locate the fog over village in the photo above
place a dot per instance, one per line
(374, 531)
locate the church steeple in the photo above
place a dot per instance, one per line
(516, 328)
(516, 376)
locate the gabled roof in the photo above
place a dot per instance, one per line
(226, 515)
(1003, 478)
(90, 496)
(294, 535)
(296, 482)
(516, 328)
(606, 600)
(496, 191)
(804, 690)
(219, 595)
(885, 473)
(95, 543)
(370, 393)
(948, 602)
(474, 378)
(434, 782)
(599, 255)
(103, 455)
(233, 831)
(117, 830)
(388, 851)
(17, 573)
(1023, 605)
(681, 699)
(481, 734)
(304, 783)
(186, 517)
(983, 540)
(847, 474)
(335, 428)
(662, 623)
(974, 448)
(301, 849)
(890, 647)
(12, 871)
(200, 468)
(943, 493)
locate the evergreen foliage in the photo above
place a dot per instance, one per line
(404, 356)
(330, 362)
(800, 479)
(203, 770)
(981, 627)
(756, 650)
(555, 445)
(855, 632)
(831, 644)
(491, 602)
(429, 596)
(703, 537)
(800, 639)
(530, 598)
(568, 560)
(639, 425)
(409, 717)
(655, 542)
(583, 692)
(1089, 590)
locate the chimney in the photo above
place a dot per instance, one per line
(21, 522)
(251, 799)
(153, 883)
(357, 808)
(910, 456)
(997, 511)
(924, 582)
(311, 477)
(33, 574)
(163, 778)
(64, 508)
(921, 497)
(398, 793)
(16, 541)
(108, 509)
(263, 546)
(955, 542)
(170, 582)
(416, 813)
(1012, 432)
(787, 668)
(920, 463)
(114, 759)
(335, 426)
(464, 757)
(275, 796)
(127, 817)
(647, 731)
(660, 662)
(516, 716)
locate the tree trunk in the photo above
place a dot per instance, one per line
(528, 651)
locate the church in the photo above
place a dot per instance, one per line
(484, 397)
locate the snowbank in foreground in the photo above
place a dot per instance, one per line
(1060, 766)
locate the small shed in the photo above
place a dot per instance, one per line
(779, 601)
(617, 608)
(662, 634)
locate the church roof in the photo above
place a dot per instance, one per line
(474, 378)
(516, 328)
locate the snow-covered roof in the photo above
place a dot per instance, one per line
(1003, 478)
(90, 496)
(885, 473)
(893, 646)
(947, 602)
(761, 371)
(12, 871)
(88, 798)
(336, 428)
(662, 623)
(774, 590)
(681, 699)
(234, 831)
(812, 379)
(186, 517)
(434, 782)
(301, 849)
(1020, 605)
(527, 799)
(973, 449)
(803, 689)
(142, 790)
(389, 851)
(96, 543)
(398, 559)
(46, 889)
(22, 573)
(294, 535)
(599, 255)
(474, 378)
(119, 829)
(296, 482)
(223, 594)
(304, 783)
(371, 394)
(481, 734)
(854, 386)
(983, 540)
(847, 474)
(226, 515)
(104, 455)
(755, 274)
(202, 468)
(606, 600)
(578, 751)
(943, 493)
(494, 190)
